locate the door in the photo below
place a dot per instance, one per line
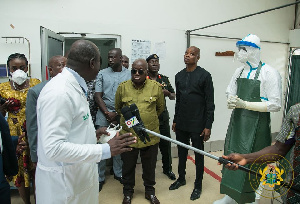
(293, 89)
(51, 44)
(104, 42)
(59, 44)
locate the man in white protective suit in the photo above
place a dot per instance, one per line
(253, 92)
(67, 150)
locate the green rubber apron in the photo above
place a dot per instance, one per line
(248, 131)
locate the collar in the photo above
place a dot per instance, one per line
(123, 69)
(158, 76)
(79, 79)
(145, 82)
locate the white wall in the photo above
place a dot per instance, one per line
(157, 21)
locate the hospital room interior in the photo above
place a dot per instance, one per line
(166, 30)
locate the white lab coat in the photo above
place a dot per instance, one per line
(67, 149)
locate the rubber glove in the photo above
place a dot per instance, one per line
(235, 102)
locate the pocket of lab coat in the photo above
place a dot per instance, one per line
(79, 178)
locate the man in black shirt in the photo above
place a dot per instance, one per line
(194, 115)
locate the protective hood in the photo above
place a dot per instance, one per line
(251, 52)
(250, 40)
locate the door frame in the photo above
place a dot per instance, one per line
(45, 35)
(87, 36)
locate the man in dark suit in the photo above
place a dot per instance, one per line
(194, 115)
(8, 160)
(56, 64)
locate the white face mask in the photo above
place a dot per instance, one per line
(19, 76)
(241, 56)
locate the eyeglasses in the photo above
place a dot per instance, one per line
(140, 71)
(242, 48)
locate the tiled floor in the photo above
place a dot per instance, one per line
(112, 189)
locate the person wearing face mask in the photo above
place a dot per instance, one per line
(253, 92)
(15, 91)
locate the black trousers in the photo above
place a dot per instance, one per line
(197, 142)
(165, 146)
(148, 157)
(4, 186)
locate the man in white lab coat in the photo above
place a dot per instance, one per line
(67, 150)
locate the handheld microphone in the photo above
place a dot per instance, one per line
(132, 122)
(135, 111)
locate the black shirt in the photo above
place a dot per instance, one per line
(194, 109)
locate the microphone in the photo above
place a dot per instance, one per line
(132, 122)
(135, 111)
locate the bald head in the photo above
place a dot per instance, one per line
(118, 51)
(82, 51)
(115, 59)
(84, 58)
(141, 62)
(139, 72)
(125, 61)
(56, 65)
(196, 49)
(191, 57)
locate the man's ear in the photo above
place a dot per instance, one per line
(50, 70)
(92, 63)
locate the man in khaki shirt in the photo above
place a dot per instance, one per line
(148, 96)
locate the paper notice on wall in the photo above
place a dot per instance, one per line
(140, 49)
(160, 49)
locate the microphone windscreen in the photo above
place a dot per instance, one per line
(133, 107)
(132, 117)
(126, 112)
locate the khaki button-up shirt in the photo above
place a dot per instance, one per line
(150, 101)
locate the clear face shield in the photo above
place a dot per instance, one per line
(241, 55)
(248, 54)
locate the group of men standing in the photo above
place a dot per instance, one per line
(117, 87)
(67, 136)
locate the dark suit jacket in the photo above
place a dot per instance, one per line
(31, 118)
(10, 163)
